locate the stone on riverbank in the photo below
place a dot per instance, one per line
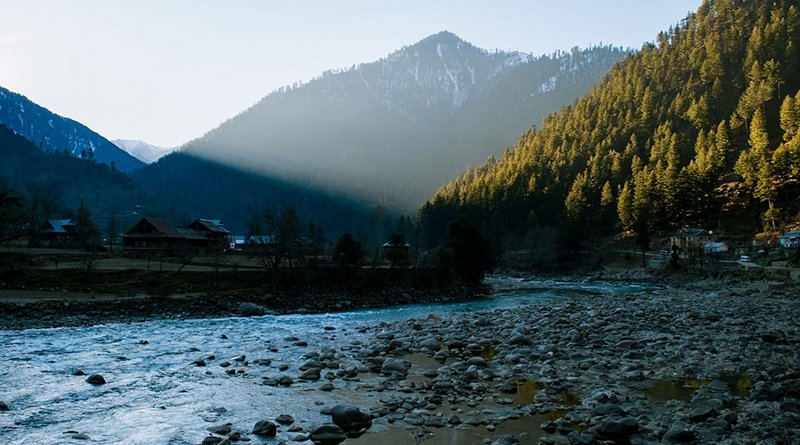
(265, 428)
(96, 379)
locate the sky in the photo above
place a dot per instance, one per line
(167, 71)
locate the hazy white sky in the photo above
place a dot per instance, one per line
(167, 71)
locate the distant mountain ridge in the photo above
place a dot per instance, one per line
(393, 130)
(141, 150)
(52, 132)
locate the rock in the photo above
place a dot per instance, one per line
(520, 340)
(477, 361)
(327, 434)
(311, 374)
(506, 439)
(80, 436)
(435, 422)
(678, 433)
(77, 372)
(251, 309)
(285, 380)
(454, 420)
(265, 428)
(350, 419)
(3, 406)
(327, 387)
(96, 379)
(613, 431)
(430, 343)
(285, 419)
(701, 413)
(385, 336)
(395, 366)
(211, 440)
(199, 362)
(220, 429)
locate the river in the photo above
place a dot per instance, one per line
(155, 394)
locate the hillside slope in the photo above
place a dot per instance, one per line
(700, 127)
(55, 133)
(394, 130)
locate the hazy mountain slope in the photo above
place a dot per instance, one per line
(195, 187)
(392, 131)
(52, 132)
(712, 102)
(141, 150)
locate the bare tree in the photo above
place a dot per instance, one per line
(274, 238)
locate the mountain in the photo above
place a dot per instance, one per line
(52, 132)
(141, 150)
(699, 128)
(68, 180)
(390, 131)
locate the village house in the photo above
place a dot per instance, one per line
(158, 235)
(691, 237)
(396, 251)
(59, 233)
(212, 229)
(790, 239)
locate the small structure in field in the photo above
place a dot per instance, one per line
(790, 239)
(396, 250)
(689, 237)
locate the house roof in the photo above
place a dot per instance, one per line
(689, 232)
(60, 225)
(391, 244)
(212, 225)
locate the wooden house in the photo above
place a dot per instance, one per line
(155, 234)
(213, 230)
(59, 233)
(691, 237)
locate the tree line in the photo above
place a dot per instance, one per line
(696, 128)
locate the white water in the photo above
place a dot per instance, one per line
(155, 396)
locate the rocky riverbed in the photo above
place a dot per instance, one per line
(699, 364)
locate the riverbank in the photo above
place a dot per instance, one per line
(697, 364)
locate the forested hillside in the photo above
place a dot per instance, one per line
(699, 127)
(55, 184)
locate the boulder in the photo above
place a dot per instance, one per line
(96, 379)
(678, 433)
(219, 429)
(265, 428)
(350, 419)
(3, 406)
(327, 434)
(395, 366)
(506, 439)
(285, 419)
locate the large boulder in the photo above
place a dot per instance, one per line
(96, 379)
(265, 428)
(351, 419)
(395, 366)
(327, 434)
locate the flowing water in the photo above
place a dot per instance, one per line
(155, 395)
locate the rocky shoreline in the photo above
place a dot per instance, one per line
(707, 362)
(62, 309)
(702, 364)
